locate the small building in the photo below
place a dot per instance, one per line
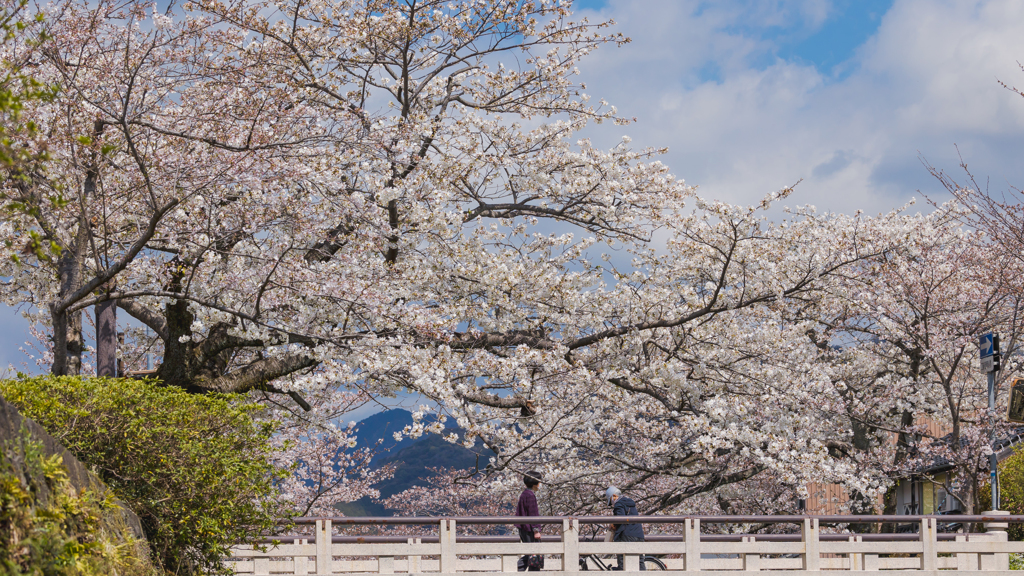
(924, 491)
(921, 492)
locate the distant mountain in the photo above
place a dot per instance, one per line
(411, 458)
(381, 427)
(412, 462)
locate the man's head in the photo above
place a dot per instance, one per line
(612, 494)
(532, 479)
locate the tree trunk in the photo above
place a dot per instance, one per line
(860, 504)
(67, 343)
(177, 368)
(67, 326)
(889, 509)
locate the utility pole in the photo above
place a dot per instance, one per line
(106, 339)
(989, 345)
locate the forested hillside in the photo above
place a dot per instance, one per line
(411, 458)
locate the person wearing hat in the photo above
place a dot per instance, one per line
(527, 506)
(631, 532)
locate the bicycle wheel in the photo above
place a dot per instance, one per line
(652, 563)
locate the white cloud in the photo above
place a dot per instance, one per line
(925, 81)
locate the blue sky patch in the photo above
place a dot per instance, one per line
(835, 42)
(829, 45)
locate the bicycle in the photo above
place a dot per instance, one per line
(650, 562)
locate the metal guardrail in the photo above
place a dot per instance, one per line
(475, 538)
(323, 552)
(778, 519)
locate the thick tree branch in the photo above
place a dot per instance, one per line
(220, 340)
(714, 481)
(259, 373)
(531, 338)
(144, 314)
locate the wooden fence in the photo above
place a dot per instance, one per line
(924, 549)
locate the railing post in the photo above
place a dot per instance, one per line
(300, 562)
(323, 547)
(929, 539)
(751, 561)
(509, 563)
(631, 562)
(871, 562)
(413, 562)
(691, 535)
(965, 561)
(856, 559)
(570, 545)
(809, 535)
(997, 532)
(261, 565)
(241, 549)
(447, 539)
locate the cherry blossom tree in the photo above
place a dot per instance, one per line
(454, 492)
(328, 466)
(22, 148)
(117, 195)
(120, 179)
(907, 328)
(310, 200)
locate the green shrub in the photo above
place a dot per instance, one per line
(194, 468)
(1011, 491)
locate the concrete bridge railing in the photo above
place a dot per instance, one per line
(925, 550)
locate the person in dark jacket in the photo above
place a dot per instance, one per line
(624, 506)
(527, 506)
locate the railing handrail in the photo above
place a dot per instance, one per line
(656, 519)
(479, 538)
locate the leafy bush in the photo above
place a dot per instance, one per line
(194, 468)
(49, 528)
(1011, 491)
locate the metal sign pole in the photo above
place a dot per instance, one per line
(993, 459)
(988, 346)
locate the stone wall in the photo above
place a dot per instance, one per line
(22, 439)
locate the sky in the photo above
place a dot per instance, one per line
(845, 97)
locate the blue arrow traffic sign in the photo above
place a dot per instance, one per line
(989, 348)
(987, 345)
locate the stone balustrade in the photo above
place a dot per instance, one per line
(687, 550)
